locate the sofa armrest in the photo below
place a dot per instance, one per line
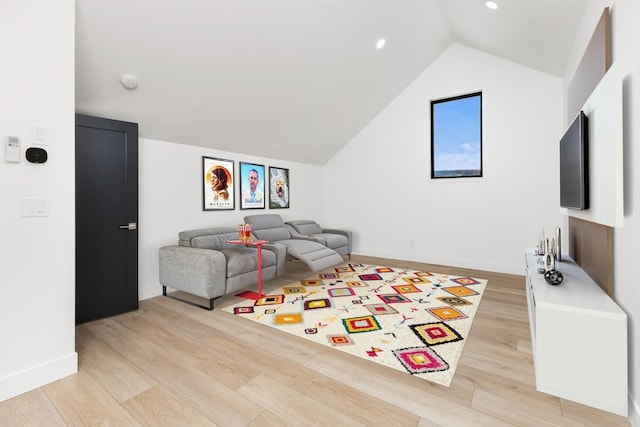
(346, 233)
(281, 256)
(292, 231)
(200, 272)
(296, 235)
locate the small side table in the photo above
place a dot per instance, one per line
(258, 244)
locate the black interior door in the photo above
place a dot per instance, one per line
(106, 217)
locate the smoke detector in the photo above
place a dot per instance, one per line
(129, 81)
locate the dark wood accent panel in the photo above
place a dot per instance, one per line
(591, 244)
(595, 62)
(591, 247)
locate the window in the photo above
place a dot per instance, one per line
(456, 137)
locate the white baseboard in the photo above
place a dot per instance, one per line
(149, 292)
(451, 262)
(38, 376)
(634, 412)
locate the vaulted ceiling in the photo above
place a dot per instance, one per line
(289, 79)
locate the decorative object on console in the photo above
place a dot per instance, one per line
(549, 259)
(553, 277)
(549, 252)
(549, 249)
(542, 243)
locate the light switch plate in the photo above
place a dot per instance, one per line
(35, 206)
(40, 135)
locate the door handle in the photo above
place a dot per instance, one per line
(130, 226)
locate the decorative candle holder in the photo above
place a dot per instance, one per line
(558, 244)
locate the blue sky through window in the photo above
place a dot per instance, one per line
(457, 136)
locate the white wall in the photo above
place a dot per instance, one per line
(626, 55)
(37, 256)
(379, 184)
(170, 199)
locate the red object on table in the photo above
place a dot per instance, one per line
(258, 244)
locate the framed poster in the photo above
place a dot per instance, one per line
(251, 186)
(278, 188)
(217, 184)
(456, 137)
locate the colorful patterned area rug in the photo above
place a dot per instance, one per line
(412, 321)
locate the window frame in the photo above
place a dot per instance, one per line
(460, 172)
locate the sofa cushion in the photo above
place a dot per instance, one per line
(333, 240)
(214, 241)
(268, 227)
(272, 234)
(207, 238)
(242, 260)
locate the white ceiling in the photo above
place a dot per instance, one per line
(289, 79)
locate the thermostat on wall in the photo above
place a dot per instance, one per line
(36, 155)
(12, 150)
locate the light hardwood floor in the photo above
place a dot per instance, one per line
(172, 364)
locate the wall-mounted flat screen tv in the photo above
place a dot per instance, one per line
(574, 165)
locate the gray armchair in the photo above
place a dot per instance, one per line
(205, 264)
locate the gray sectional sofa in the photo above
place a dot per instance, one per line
(205, 264)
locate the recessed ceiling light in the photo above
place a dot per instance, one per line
(380, 43)
(491, 5)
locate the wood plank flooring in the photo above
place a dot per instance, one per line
(172, 364)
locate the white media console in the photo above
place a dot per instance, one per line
(579, 338)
